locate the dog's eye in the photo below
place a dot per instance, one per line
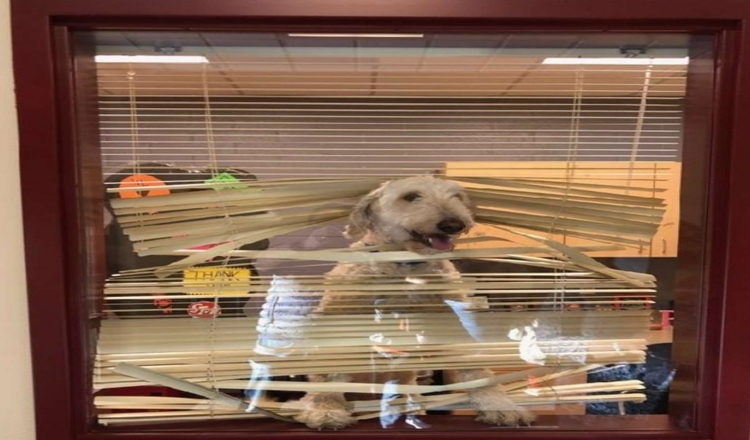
(412, 196)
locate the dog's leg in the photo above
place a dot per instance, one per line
(326, 410)
(493, 405)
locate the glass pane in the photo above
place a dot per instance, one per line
(409, 231)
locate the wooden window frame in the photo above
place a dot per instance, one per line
(59, 151)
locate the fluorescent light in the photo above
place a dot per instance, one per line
(359, 35)
(186, 59)
(620, 61)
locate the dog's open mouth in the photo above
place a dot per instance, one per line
(440, 242)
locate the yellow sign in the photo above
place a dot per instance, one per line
(216, 281)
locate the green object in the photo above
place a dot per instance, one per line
(225, 179)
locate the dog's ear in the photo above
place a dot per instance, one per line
(466, 200)
(362, 217)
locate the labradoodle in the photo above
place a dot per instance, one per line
(423, 215)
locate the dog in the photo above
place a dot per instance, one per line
(422, 214)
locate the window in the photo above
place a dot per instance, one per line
(230, 174)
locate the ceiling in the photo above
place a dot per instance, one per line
(433, 65)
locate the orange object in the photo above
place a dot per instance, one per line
(141, 181)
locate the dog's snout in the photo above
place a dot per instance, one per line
(451, 225)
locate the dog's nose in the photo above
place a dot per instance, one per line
(451, 225)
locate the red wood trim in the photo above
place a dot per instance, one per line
(81, 146)
(73, 252)
(612, 10)
(444, 427)
(733, 393)
(325, 24)
(691, 393)
(44, 225)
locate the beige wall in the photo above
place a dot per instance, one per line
(16, 412)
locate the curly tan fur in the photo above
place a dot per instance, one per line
(423, 215)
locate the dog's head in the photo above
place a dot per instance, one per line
(423, 213)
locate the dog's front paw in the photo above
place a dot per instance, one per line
(515, 417)
(496, 408)
(325, 411)
(326, 418)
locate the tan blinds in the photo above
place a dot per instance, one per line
(229, 182)
(289, 107)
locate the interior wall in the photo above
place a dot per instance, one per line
(281, 139)
(16, 400)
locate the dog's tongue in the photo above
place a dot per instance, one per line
(440, 242)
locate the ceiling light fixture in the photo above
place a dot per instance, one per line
(174, 59)
(619, 61)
